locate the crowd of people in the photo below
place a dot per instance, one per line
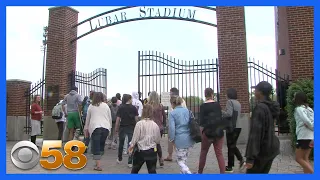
(134, 126)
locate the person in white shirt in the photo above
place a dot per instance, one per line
(61, 122)
(137, 103)
(98, 125)
(304, 118)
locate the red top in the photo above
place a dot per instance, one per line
(36, 107)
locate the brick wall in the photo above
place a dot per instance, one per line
(301, 41)
(232, 53)
(16, 100)
(61, 53)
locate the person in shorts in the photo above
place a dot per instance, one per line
(73, 100)
(304, 117)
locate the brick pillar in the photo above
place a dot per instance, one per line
(16, 109)
(232, 53)
(16, 100)
(61, 53)
(301, 41)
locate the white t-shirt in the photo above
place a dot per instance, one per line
(63, 119)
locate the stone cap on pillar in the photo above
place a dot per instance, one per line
(58, 7)
(18, 80)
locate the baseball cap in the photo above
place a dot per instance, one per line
(264, 87)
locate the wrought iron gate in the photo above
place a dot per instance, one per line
(159, 72)
(96, 80)
(258, 72)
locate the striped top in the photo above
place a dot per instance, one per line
(146, 134)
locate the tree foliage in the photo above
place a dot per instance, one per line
(305, 86)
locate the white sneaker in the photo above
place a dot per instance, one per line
(118, 161)
(125, 152)
(130, 165)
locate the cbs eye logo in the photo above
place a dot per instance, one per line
(49, 149)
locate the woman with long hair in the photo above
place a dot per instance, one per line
(211, 124)
(232, 114)
(179, 132)
(159, 117)
(304, 118)
(98, 125)
(146, 137)
(36, 117)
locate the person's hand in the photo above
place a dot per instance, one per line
(130, 150)
(86, 133)
(311, 144)
(249, 166)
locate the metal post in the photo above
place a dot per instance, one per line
(44, 43)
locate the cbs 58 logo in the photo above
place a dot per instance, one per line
(49, 148)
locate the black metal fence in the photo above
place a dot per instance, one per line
(258, 72)
(35, 90)
(96, 80)
(159, 72)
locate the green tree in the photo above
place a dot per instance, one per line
(193, 100)
(306, 86)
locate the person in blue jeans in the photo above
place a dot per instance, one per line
(97, 127)
(129, 116)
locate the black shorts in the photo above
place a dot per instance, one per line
(303, 144)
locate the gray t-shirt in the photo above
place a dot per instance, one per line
(73, 100)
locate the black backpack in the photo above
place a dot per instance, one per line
(195, 132)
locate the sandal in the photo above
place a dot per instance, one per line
(167, 159)
(161, 162)
(97, 169)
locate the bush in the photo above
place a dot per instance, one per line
(305, 86)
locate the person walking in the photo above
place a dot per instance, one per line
(159, 117)
(112, 137)
(174, 92)
(36, 116)
(98, 125)
(304, 117)
(211, 126)
(118, 95)
(73, 100)
(61, 122)
(263, 145)
(232, 114)
(146, 137)
(179, 132)
(85, 105)
(128, 115)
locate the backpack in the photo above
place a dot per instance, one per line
(57, 111)
(194, 128)
(114, 110)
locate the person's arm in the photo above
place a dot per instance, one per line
(137, 115)
(302, 115)
(158, 135)
(256, 135)
(229, 110)
(64, 102)
(172, 127)
(109, 116)
(201, 117)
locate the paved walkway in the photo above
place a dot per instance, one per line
(283, 164)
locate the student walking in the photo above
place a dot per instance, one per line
(174, 92)
(159, 117)
(179, 132)
(73, 100)
(232, 114)
(145, 138)
(263, 145)
(119, 102)
(98, 125)
(61, 122)
(129, 116)
(85, 105)
(212, 126)
(36, 116)
(304, 117)
(112, 137)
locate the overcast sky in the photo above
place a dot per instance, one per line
(116, 48)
